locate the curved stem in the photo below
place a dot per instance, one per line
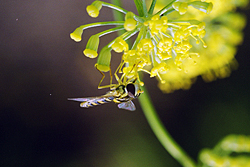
(97, 24)
(124, 36)
(118, 15)
(114, 7)
(161, 133)
(110, 31)
(76, 35)
(166, 9)
(139, 37)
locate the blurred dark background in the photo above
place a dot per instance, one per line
(41, 67)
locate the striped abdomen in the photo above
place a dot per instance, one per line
(96, 101)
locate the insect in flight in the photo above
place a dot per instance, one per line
(123, 93)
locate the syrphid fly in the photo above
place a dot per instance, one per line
(123, 93)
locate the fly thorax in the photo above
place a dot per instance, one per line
(120, 91)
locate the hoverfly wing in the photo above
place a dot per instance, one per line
(84, 101)
(81, 99)
(127, 106)
(93, 101)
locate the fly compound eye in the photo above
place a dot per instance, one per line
(131, 90)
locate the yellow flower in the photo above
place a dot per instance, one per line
(92, 47)
(181, 7)
(168, 46)
(239, 145)
(159, 68)
(119, 45)
(220, 30)
(94, 8)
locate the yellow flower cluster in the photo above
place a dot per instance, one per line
(163, 45)
(223, 33)
(221, 154)
(164, 42)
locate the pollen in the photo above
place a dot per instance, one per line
(159, 68)
(145, 45)
(182, 34)
(157, 24)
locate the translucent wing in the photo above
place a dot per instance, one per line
(93, 101)
(127, 106)
(82, 99)
(86, 102)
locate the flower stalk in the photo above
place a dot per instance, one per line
(161, 132)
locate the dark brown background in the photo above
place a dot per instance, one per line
(41, 67)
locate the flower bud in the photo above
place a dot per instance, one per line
(130, 22)
(201, 26)
(181, 7)
(119, 45)
(77, 34)
(94, 8)
(104, 58)
(92, 47)
(202, 6)
(159, 68)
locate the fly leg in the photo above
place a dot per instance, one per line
(103, 76)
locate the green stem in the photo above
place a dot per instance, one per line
(152, 6)
(76, 35)
(117, 15)
(144, 7)
(139, 37)
(97, 24)
(117, 8)
(139, 7)
(166, 9)
(161, 133)
(110, 31)
(124, 36)
(192, 22)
